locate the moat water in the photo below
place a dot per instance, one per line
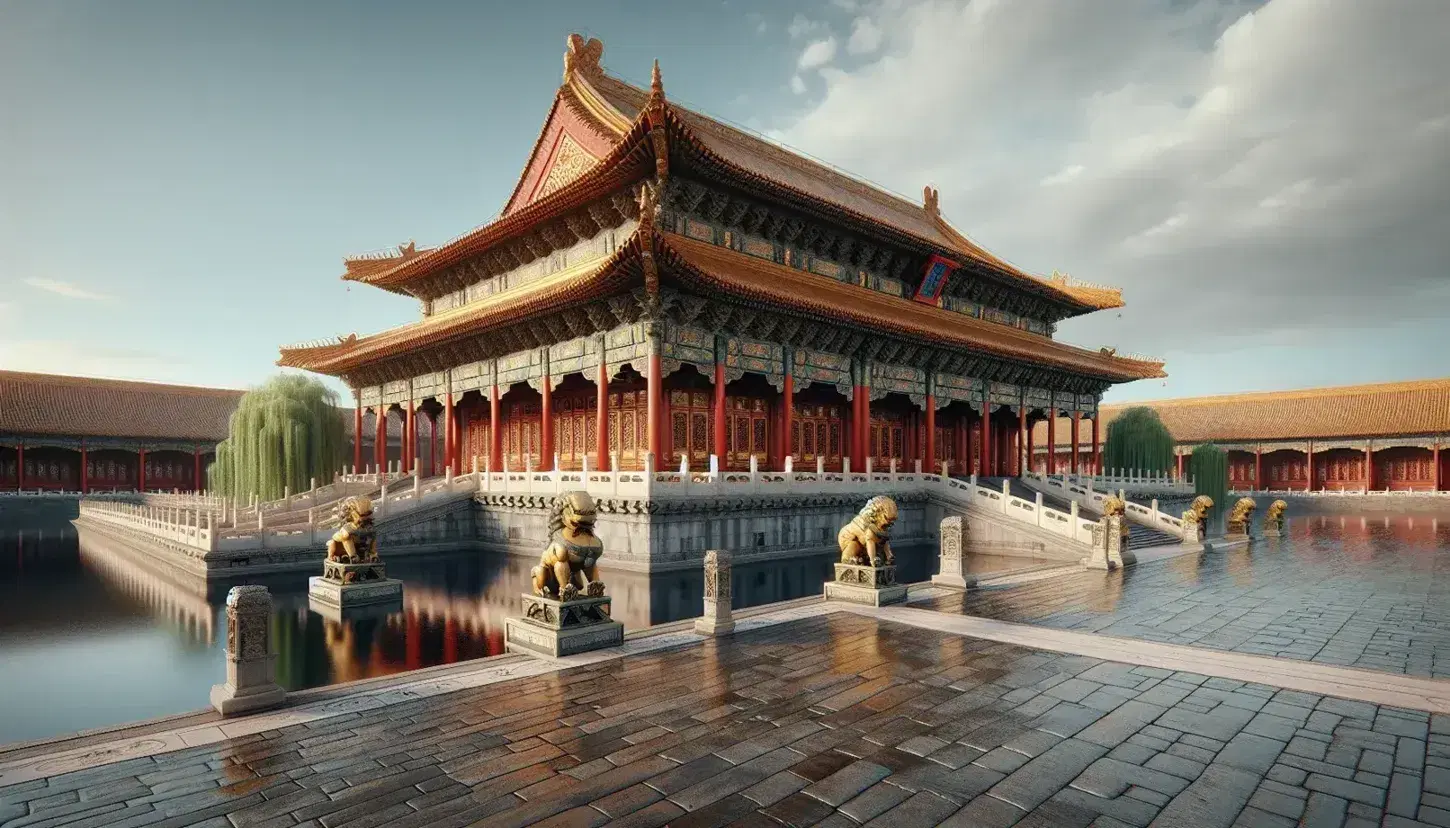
(90, 638)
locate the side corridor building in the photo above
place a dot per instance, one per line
(1353, 437)
(662, 283)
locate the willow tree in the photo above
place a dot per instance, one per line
(282, 435)
(1138, 441)
(1209, 467)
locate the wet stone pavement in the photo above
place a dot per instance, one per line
(839, 720)
(1355, 604)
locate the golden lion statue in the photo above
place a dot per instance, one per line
(570, 564)
(355, 541)
(1115, 507)
(1241, 511)
(1275, 512)
(1200, 507)
(865, 540)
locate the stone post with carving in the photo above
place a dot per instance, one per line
(250, 684)
(954, 555)
(717, 619)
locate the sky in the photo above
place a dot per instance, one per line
(1269, 182)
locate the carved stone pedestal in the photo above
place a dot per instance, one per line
(1110, 546)
(717, 619)
(348, 585)
(250, 681)
(873, 586)
(1273, 531)
(552, 629)
(954, 555)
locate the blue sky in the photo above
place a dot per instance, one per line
(180, 180)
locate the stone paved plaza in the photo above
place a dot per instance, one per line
(836, 720)
(1351, 602)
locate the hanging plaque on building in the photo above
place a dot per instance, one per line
(934, 278)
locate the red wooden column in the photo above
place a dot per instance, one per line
(1076, 419)
(601, 416)
(963, 447)
(19, 467)
(1031, 449)
(495, 431)
(654, 406)
(410, 437)
(1180, 466)
(1434, 466)
(456, 423)
(1368, 467)
(546, 424)
(380, 439)
(863, 425)
(357, 438)
(1309, 468)
(86, 477)
(787, 411)
(1052, 440)
(1258, 468)
(1024, 440)
(433, 443)
(196, 470)
(987, 459)
(141, 469)
(929, 464)
(448, 432)
(719, 414)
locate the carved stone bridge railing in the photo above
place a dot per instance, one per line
(1084, 494)
(197, 529)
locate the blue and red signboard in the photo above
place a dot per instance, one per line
(934, 279)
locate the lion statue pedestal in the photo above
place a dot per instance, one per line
(568, 611)
(1194, 521)
(867, 571)
(353, 575)
(1110, 539)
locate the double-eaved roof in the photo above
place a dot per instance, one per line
(599, 138)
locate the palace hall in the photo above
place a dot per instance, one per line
(75, 434)
(1355, 437)
(660, 284)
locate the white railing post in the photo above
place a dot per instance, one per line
(944, 468)
(417, 486)
(684, 466)
(714, 466)
(846, 466)
(891, 469)
(614, 472)
(754, 470)
(916, 465)
(869, 470)
(1006, 495)
(820, 466)
(789, 464)
(1038, 501)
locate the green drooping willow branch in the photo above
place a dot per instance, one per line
(1209, 465)
(1138, 442)
(282, 435)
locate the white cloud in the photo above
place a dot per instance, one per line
(865, 37)
(1063, 175)
(1253, 168)
(66, 356)
(797, 85)
(818, 54)
(802, 26)
(758, 20)
(66, 289)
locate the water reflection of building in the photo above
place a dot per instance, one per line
(183, 610)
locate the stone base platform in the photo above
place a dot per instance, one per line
(553, 629)
(346, 596)
(1226, 542)
(873, 586)
(263, 693)
(954, 581)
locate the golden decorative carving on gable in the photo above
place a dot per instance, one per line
(570, 162)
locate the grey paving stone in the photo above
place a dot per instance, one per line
(1287, 775)
(774, 788)
(1346, 789)
(922, 809)
(1125, 809)
(1277, 803)
(1035, 782)
(1222, 724)
(1003, 760)
(1251, 752)
(955, 755)
(847, 782)
(1404, 795)
(1109, 778)
(1308, 748)
(1324, 809)
(876, 800)
(1187, 751)
(1409, 754)
(1274, 727)
(1376, 761)
(1132, 754)
(1176, 765)
(985, 812)
(1213, 800)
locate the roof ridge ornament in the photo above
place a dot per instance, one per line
(654, 113)
(930, 201)
(583, 58)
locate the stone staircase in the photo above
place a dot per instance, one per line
(1139, 536)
